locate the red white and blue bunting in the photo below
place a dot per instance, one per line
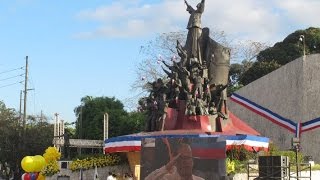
(288, 124)
(133, 142)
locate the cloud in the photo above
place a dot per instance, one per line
(133, 19)
(246, 19)
(304, 12)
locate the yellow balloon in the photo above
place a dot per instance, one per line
(41, 177)
(27, 164)
(39, 163)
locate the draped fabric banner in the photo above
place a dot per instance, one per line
(288, 124)
(130, 143)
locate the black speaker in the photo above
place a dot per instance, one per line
(274, 167)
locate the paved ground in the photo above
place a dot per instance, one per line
(315, 175)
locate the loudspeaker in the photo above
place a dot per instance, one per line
(275, 167)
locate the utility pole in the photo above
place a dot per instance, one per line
(25, 96)
(20, 107)
(105, 128)
(41, 117)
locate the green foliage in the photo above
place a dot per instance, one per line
(315, 167)
(230, 166)
(283, 52)
(240, 154)
(91, 115)
(291, 47)
(51, 168)
(258, 70)
(134, 123)
(233, 88)
(274, 151)
(98, 160)
(290, 154)
(15, 144)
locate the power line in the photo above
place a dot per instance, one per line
(10, 70)
(11, 84)
(11, 77)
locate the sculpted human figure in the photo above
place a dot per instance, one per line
(184, 76)
(162, 112)
(180, 167)
(152, 106)
(219, 97)
(194, 29)
(182, 53)
(197, 85)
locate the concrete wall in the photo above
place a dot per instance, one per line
(89, 174)
(293, 92)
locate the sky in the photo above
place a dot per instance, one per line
(79, 47)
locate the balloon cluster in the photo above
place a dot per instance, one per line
(32, 165)
(32, 176)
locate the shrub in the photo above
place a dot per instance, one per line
(51, 168)
(99, 161)
(51, 156)
(240, 154)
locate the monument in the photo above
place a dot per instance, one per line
(189, 127)
(196, 85)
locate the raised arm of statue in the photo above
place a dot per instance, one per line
(200, 6)
(189, 8)
(185, 1)
(167, 72)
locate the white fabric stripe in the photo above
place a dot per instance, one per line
(310, 125)
(264, 112)
(248, 143)
(122, 143)
(298, 130)
(228, 142)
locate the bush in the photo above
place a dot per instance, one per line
(51, 168)
(99, 161)
(290, 154)
(51, 156)
(274, 151)
(237, 158)
(240, 154)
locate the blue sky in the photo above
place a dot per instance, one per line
(80, 47)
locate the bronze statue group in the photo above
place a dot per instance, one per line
(199, 80)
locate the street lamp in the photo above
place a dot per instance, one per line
(302, 39)
(105, 127)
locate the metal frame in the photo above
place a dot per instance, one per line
(301, 167)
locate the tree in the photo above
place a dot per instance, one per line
(10, 133)
(14, 146)
(163, 48)
(257, 70)
(90, 115)
(283, 52)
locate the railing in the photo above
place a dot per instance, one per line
(252, 169)
(304, 168)
(82, 143)
(279, 172)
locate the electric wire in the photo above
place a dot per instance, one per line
(11, 70)
(11, 84)
(11, 77)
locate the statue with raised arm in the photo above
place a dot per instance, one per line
(194, 30)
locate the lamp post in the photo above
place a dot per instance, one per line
(302, 39)
(296, 145)
(105, 127)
